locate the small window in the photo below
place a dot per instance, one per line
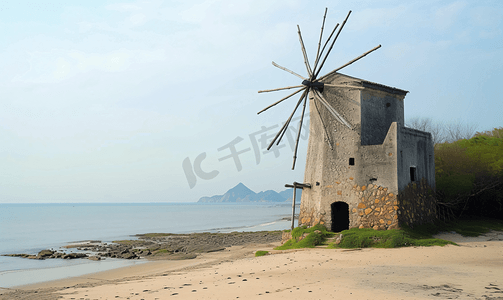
(351, 161)
(412, 174)
(388, 104)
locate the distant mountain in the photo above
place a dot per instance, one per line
(241, 193)
(288, 194)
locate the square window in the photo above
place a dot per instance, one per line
(351, 161)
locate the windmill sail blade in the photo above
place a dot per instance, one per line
(306, 60)
(347, 64)
(318, 53)
(328, 107)
(283, 88)
(298, 133)
(289, 71)
(283, 99)
(332, 45)
(323, 123)
(321, 35)
(287, 121)
(331, 109)
(323, 49)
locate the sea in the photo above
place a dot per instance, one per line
(30, 228)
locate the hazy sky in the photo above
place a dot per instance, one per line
(107, 101)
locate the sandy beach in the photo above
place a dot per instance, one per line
(472, 270)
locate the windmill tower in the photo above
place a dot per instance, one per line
(364, 167)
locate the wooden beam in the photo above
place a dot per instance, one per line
(289, 71)
(281, 100)
(306, 60)
(347, 64)
(283, 88)
(331, 46)
(298, 133)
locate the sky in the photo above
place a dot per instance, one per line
(144, 101)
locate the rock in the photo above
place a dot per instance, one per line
(145, 252)
(96, 258)
(74, 255)
(58, 255)
(338, 239)
(45, 253)
(286, 235)
(303, 236)
(129, 255)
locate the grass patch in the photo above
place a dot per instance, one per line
(161, 251)
(313, 236)
(419, 236)
(370, 238)
(261, 253)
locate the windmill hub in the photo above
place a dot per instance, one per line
(315, 85)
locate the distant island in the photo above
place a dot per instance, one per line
(241, 193)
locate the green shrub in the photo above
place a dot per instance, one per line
(261, 253)
(469, 175)
(315, 236)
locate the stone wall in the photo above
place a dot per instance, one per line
(380, 209)
(370, 206)
(377, 209)
(417, 204)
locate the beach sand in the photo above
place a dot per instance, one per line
(472, 270)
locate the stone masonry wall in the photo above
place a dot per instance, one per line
(377, 208)
(370, 206)
(417, 204)
(380, 209)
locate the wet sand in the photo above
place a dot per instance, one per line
(472, 270)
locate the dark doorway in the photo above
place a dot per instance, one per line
(340, 216)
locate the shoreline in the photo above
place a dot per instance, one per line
(11, 267)
(141, 249)
(472, 270)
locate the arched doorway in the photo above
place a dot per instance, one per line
(340, 216)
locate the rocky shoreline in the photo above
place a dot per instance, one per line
(158, 246)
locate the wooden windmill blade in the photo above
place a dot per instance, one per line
(314, 85)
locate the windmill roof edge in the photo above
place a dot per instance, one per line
(377, 86)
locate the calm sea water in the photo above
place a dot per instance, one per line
(29, 228)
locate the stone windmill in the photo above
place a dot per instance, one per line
(364, 168)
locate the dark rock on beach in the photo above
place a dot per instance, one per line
(161, 246)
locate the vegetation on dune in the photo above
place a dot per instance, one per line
(405, 237)
(469, 176)
(261, 253)
(303, 237)
(395, 238)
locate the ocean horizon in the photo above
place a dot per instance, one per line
(32, 227)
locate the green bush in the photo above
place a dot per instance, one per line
(469, 175)
(261, 253)
(316, 235)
